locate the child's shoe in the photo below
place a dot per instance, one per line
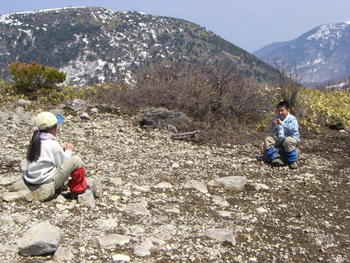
(293, 165)
(277, 163)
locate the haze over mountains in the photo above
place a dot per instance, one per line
(97, 45)
(321, 55)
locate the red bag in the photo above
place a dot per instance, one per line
(78, 182)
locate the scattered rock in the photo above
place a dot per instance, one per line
(163, 185)
(77, 105)
(165, 232)
(87, 199)
(7, 180)
(40, 239)
(138, 208)
(63, 254)
(94, 110)
(221, 234)
(95, 185)
(258, 187)
(175, 166)
(22, 195)
(262, 210)
(23, 102)
(108, 108)
(120, 123)
(199, 186)
(230, 182)
(224, 213)
(110, 241)
(218, 200)
(143, 249)
(84, 116)
(120, 258)
(107, 224)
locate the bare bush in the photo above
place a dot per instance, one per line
(288, 86)
(213, 93)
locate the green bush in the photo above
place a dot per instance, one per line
(33, 77)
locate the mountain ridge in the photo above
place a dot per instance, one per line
(94, 44)
(320, 55)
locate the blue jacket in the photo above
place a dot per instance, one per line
(288, 128)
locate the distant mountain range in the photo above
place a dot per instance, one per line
(321, 55)
(97, 45)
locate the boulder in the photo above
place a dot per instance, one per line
(41, 239)
(162, 118)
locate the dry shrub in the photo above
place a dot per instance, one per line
(216, 94)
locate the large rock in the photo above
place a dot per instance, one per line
(230, 182)
(40, 239)
(161, 118)
(221, 234)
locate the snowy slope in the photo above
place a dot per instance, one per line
(320, 55)
(94, 45)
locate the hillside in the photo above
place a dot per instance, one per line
(318, 56)
(97, 45)
(150, 210)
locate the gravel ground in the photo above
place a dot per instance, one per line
(280, 215)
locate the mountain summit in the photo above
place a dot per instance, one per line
(320, 55)
(97, 45)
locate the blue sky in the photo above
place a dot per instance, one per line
(250, 24)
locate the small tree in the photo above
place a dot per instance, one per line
(32, 77)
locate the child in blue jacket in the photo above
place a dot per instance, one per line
(284, 130)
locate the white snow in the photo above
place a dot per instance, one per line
(328, 31)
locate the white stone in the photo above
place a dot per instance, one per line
(262, 210)
(232, 182)
(138, 208)
(87, 199)
(84, 116)
(40, 239)
(221, 234)
(7, 180)
(175, 166)
(224, 213)
(197, 185)
(111, 240)
(218, 200)
(120, 258)
(107, 224)
(63, 254)
(163, 185)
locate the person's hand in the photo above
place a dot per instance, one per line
(276, 122)
(68, 146)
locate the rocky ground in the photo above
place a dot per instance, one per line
(162, 202)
